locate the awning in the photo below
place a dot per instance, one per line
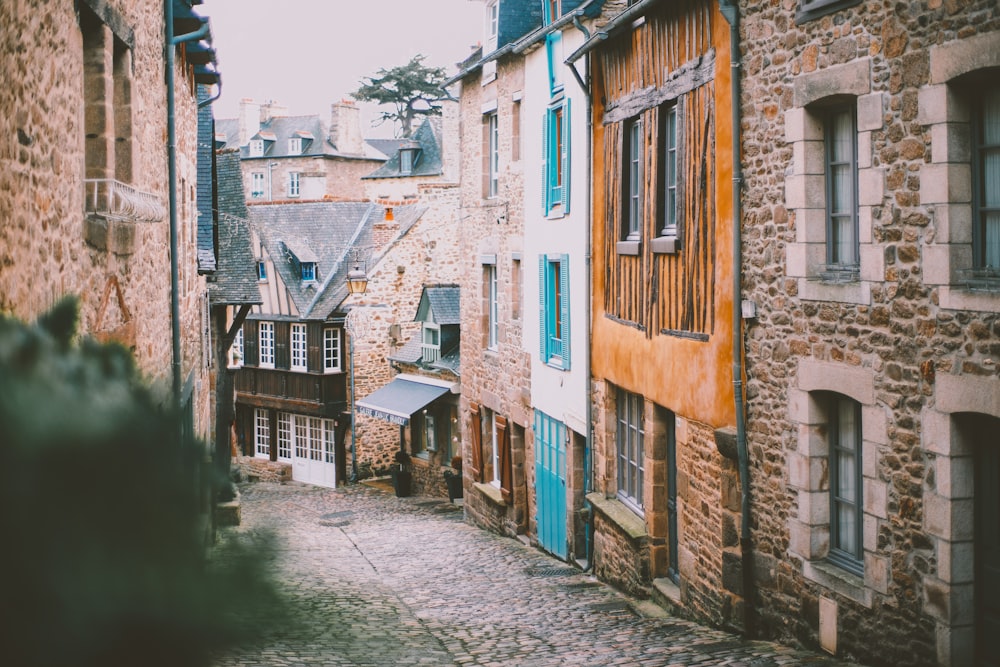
(399, 399)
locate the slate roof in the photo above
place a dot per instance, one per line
(441, 302)
(328, 230)
(413, 352)
(206, 177)
(277, 131)
(235, 280)
(428, 139)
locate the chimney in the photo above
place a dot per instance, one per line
(249, 120)
(272, 109)
(386, 229)
(345, 127)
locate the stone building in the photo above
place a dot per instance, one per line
(301, 158)
(85, 182)
(496, 369)
(871, 246)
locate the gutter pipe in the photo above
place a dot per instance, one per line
(730, 11)
(175, 326)
(589, 439)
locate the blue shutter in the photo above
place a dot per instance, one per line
(546, 147)
(565, 158)
(564, 308)
(543, 334)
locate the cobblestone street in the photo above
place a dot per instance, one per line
(380, 580)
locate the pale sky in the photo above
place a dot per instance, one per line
(306, 54)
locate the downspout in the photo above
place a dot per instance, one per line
(730, 11)
(588, 438)
(175, 325)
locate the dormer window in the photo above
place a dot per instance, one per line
(431, 342)
(408, 159)
(262, 271)
(256, 147)
(308, 272)
(554, 10)
(295, 146)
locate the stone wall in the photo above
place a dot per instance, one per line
(428, 253)
(491, 231)
(253, 469)
(44, 254)
(892, 330)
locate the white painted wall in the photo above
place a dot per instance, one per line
(559, 393)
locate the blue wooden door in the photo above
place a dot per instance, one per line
(550, 484)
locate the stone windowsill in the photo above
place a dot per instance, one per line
(664, 245)
(961, 298)
(838, 580)
(491, 492)
(628, 247)
(630, 523)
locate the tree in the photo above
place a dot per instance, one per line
(413, 89)
(103, 517)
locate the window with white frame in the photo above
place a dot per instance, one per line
(262, 433)
(844, 429)
(298, 338)
(293, 184)
(555, 158)
(986, 183)
(553, 309)
(632, 161)
(631, 449)
(265, 341)
(236, 350)
(295, 146)
(301, 423)
(841, 163)
(256, 147)
(331, 350)
(284, 436)
(492, 155)
(431, 342)
(308, 271)
(492, 39)
(490, 297)
(257, 185)
(262, 271)
(670, 170)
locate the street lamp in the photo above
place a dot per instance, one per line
(358, 323)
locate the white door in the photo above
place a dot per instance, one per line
(313, 460)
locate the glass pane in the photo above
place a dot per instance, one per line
(991, 118)
(841, 136)
(847, 535)
(843, 240)
(846, 482)
(847, 425)
(992, 242)
(991, 178)
(842, 189)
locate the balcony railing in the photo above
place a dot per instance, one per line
(984, 279)
(115, 200)
(316, 388)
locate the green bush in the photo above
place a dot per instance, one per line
(103, 515)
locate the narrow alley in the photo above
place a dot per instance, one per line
(379, 580)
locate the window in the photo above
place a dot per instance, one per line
(430, 435)
(431, 342)
(492, 310)
(492, 26)
(629, 408)
(631, 225)
(298, 347)
(293, 184)
(669, 171)
(840, 141)
(295, 146)
(284, 436)
(813, 9)
(266, 343)
(256, 147)
(552, 10)
(257, 185)
(262, 433)
(301, 437)
(515, 130)
(407, 160)
(495, 481)
(308, 271)
(492, 155)
(331, 350)
(844, 423)
(553, 325)
(986, 225)
(236, 351)
(262, 271)
(554, 51)
(555, 159)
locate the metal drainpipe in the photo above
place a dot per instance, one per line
(589, 441)
(175, 325)
(730, 10)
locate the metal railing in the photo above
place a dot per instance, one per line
(119, 201)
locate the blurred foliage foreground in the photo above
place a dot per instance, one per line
(104, 523)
